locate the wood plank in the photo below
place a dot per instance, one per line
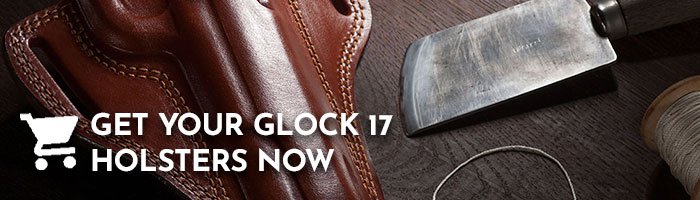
(596, 138)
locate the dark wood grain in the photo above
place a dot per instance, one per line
(646, 15)
(596, 138)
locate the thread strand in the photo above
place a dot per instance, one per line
(517, 148)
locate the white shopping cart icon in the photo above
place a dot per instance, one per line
(52, 130)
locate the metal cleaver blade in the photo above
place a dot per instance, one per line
(473, 66)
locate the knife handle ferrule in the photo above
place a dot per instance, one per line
(608, 19)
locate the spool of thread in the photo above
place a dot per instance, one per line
(671, 126)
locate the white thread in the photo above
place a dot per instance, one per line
(517, 148)
(678, 139)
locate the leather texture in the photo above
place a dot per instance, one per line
(243, 56)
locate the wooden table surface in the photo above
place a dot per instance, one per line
(596, 138)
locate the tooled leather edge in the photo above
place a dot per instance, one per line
(349, 51)
(18, 34)
(350, 47)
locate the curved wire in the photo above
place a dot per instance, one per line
(518, 148)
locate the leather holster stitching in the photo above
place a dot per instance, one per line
(31, 24)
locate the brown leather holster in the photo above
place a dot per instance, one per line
(243, 56)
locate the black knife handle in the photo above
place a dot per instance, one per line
(639, 16)
(645, 15)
